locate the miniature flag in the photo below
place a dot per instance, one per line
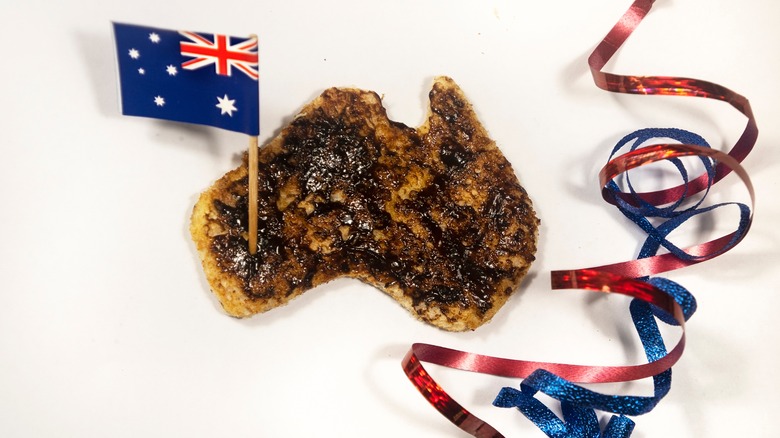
(207, 79)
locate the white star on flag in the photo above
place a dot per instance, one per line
(134, 53)
(171, 69)
(159, 100)
(154, 37)
(226, 105)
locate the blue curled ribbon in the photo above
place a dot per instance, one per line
(642, 210)
(579, 404)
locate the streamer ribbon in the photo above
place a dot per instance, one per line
(653, 297)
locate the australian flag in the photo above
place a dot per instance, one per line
(207, 79)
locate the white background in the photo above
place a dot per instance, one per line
(108, 328)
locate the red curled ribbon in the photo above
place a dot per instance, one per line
(620, 277)
(581, 279)
(668, 86)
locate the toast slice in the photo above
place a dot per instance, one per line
(433, 216)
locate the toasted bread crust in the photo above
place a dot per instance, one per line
(434, 216)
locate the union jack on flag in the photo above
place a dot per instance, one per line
(220, 52)
(167, 74)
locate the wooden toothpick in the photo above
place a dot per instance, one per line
(252, 176)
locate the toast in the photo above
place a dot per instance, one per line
(433, 216)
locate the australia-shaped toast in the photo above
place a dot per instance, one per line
(433, 216)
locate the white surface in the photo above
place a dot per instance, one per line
(107, 327)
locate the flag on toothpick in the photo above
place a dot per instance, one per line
(201, 78)
(192, 77)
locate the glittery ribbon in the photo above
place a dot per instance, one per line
(653, 297)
